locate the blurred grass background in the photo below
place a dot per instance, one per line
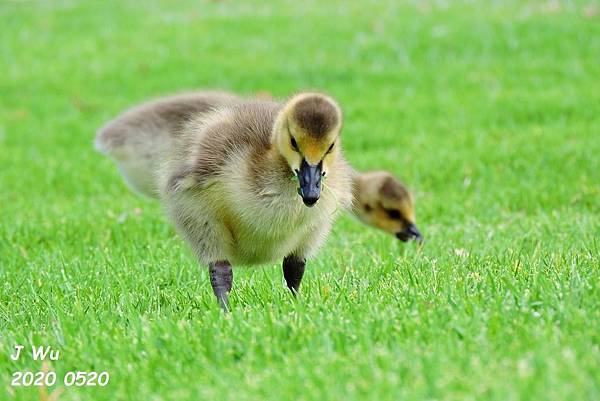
(490, 111)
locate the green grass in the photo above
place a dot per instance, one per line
(490, 111)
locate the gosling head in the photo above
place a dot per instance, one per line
(384, 202)
(306, 133)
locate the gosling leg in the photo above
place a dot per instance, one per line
(293, 270)
(221, 277)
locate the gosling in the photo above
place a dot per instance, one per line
(250, 182)
(383, 202)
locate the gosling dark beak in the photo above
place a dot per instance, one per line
(309, 177)
(410, 232)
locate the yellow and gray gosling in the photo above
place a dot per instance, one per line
(232, 177)
(381, 201)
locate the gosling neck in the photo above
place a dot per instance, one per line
(357, 189)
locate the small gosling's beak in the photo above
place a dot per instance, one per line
(410, 232)
(309, 177)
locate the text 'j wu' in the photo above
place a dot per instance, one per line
(37, 353)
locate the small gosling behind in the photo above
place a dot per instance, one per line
(381, 201)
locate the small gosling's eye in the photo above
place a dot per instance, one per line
(393, 214)
(294, 144)
(330, 149)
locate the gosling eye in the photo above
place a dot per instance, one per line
(330, 149)
(393, 214)
(294, 144)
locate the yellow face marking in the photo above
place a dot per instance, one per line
(314, 150)
(313, 153)
(407, 211)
